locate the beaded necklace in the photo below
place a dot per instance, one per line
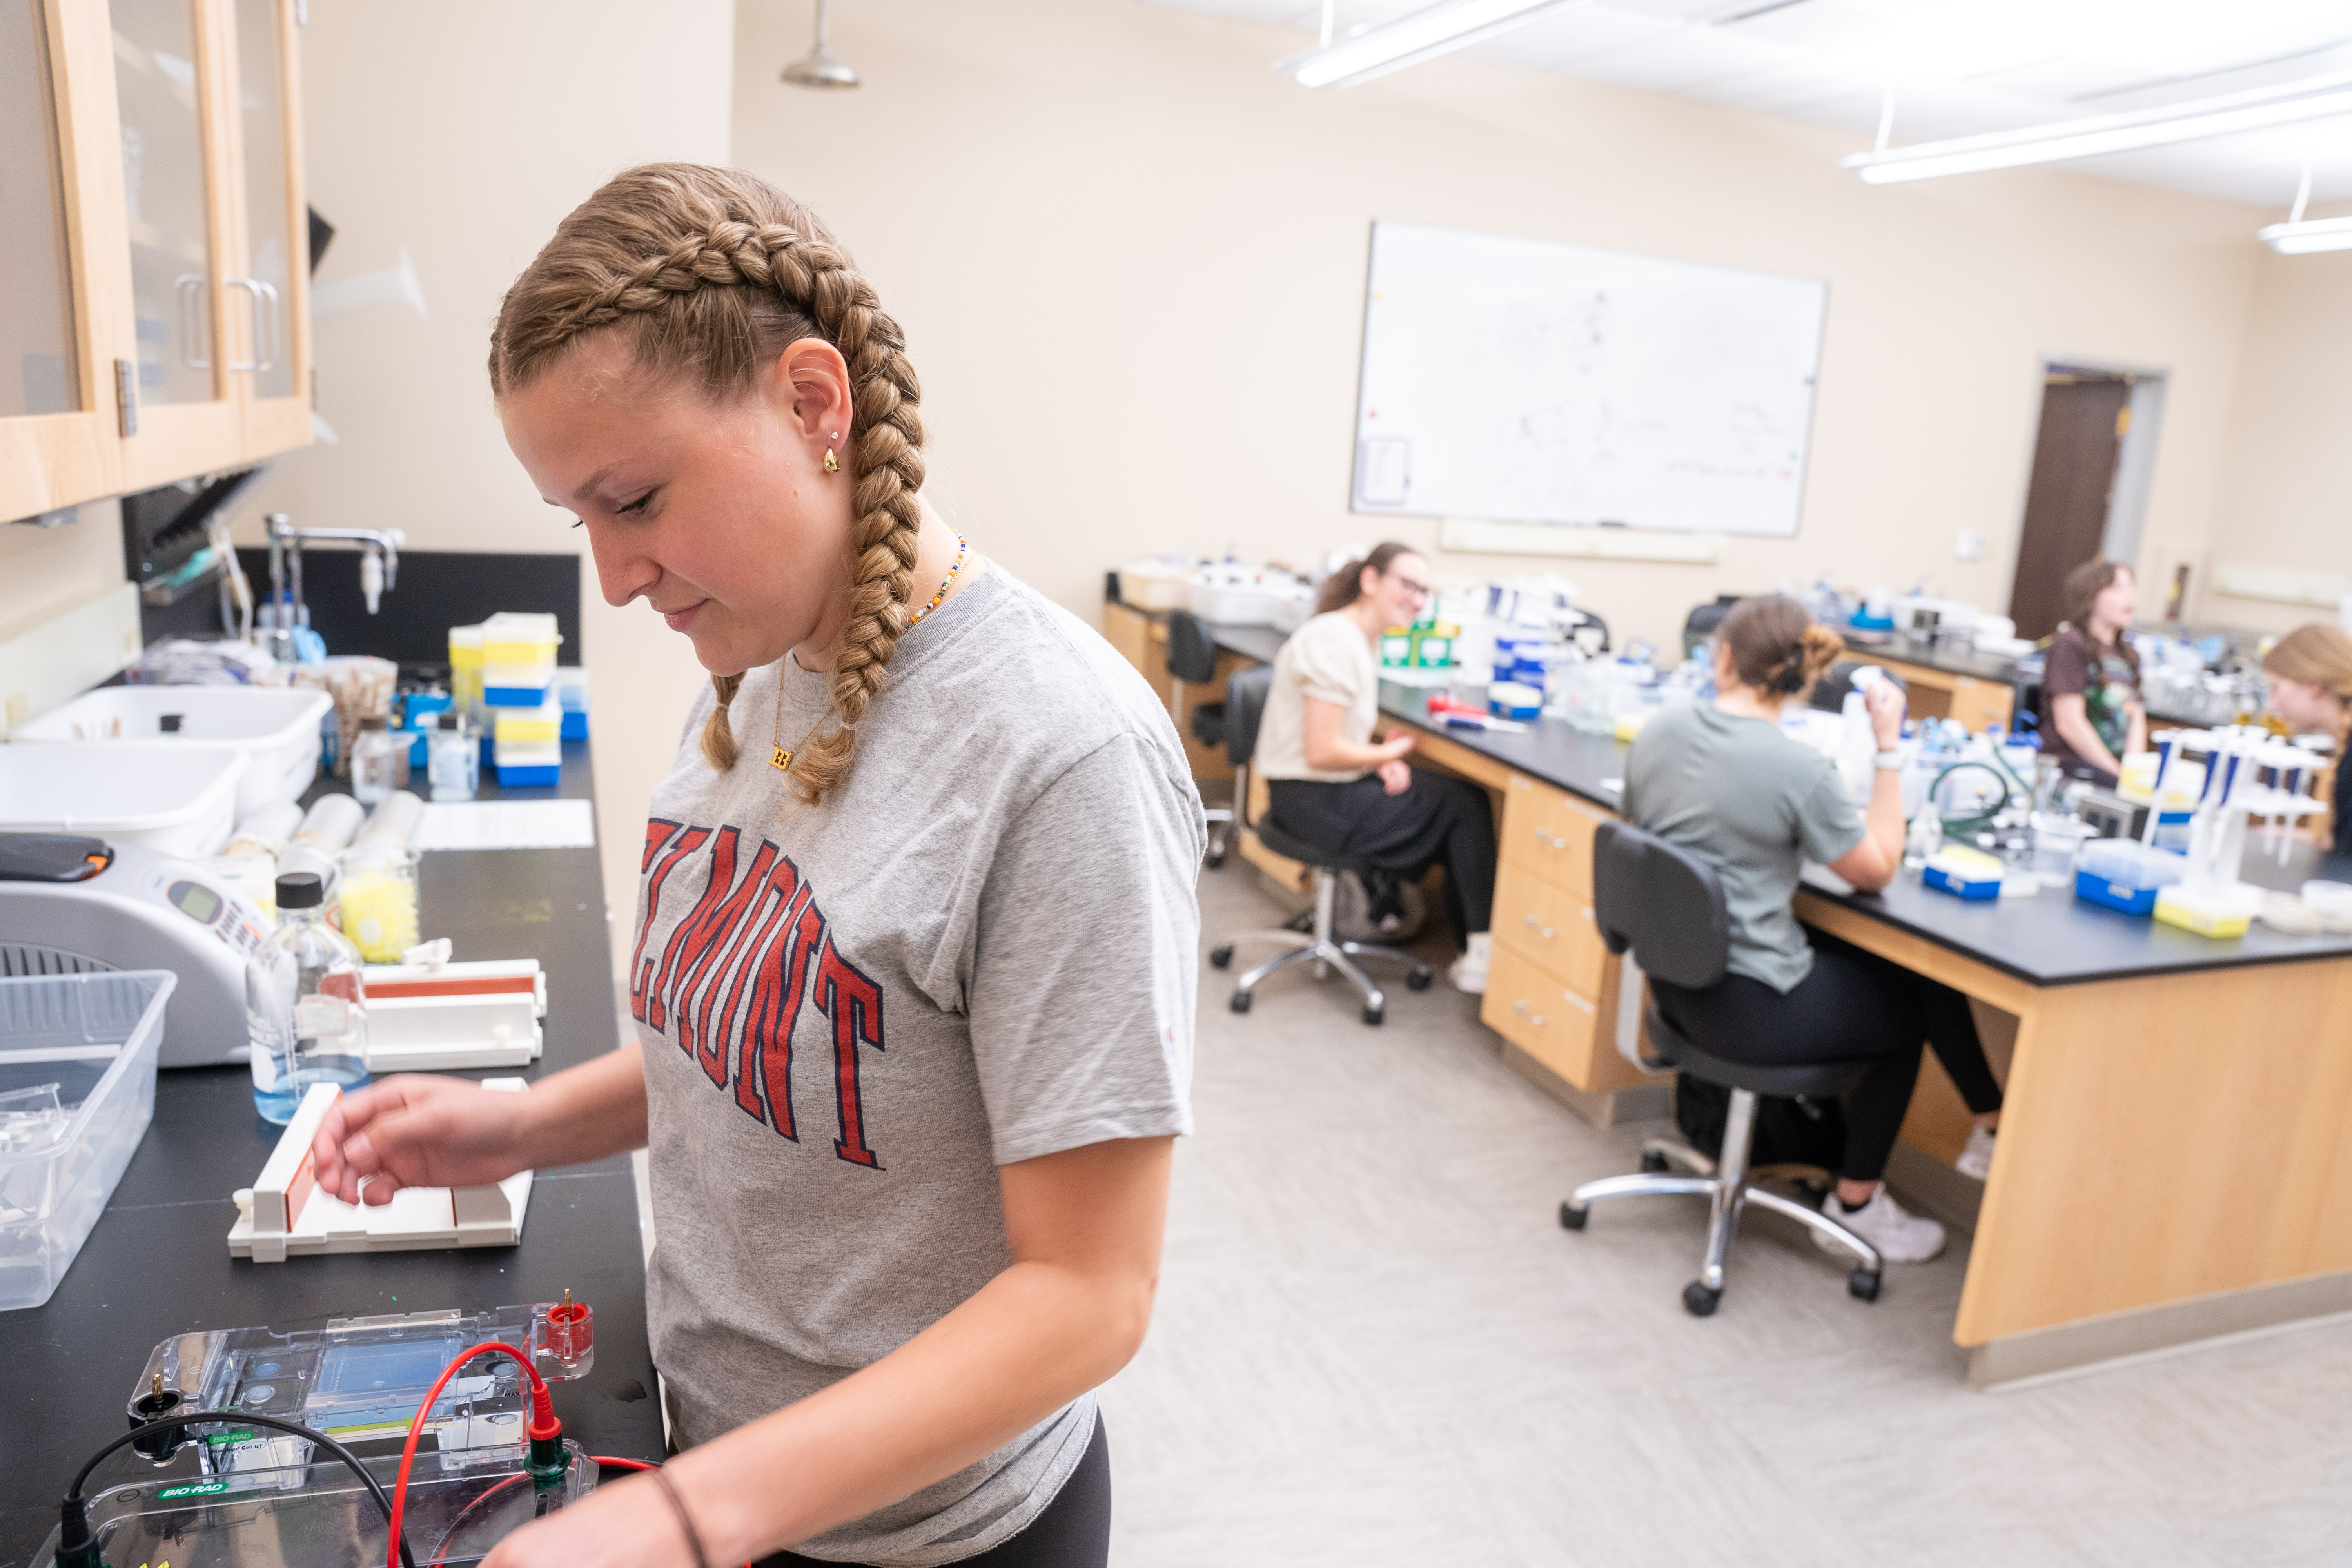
(780, 757)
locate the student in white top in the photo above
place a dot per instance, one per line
(1329, 785)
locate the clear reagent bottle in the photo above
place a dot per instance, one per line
(305, 1002)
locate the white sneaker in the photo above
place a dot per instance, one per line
(1900, 1237)
(1976, 1159)
(1468, 973)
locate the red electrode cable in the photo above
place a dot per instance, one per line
(543, 1428)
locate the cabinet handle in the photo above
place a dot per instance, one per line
(1543, 838)
(265, 325)
(1543, 930)
(189, 285)
(1520, 1007)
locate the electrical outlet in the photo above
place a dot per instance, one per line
(1969, 546)
(20, 708)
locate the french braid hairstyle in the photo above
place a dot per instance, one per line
(711, 274)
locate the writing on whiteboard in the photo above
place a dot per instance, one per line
(1530, 382)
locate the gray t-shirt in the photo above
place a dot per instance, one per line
(981, 949)
(1754, 804)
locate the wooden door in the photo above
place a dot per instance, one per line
(269, 291)
(58, 397)
(167, 200)
(2083, 424)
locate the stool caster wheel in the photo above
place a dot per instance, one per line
(1571, 1217)
(1699, 1300)
(1241, 1001)
(1862, 1285)
(1653, 1163)
(1371, 1015)
(1215, 861)
(1417, 981)
(1221, 957)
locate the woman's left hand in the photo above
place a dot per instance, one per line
(1395, 777)
(622, 1524)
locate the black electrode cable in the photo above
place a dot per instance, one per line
(75, 1546)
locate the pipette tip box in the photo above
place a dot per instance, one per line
(2121, 875)
(1963, 873)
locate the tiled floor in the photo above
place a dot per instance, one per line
(1375, 1345)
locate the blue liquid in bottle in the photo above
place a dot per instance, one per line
(305, 1003)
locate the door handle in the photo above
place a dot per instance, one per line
(187, 287)
(265, 325)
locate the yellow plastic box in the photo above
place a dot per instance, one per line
(2204, 911)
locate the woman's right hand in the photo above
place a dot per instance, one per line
(1395, 746)
(418, 1130)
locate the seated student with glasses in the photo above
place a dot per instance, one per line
(1720, 780)
(1328, 784)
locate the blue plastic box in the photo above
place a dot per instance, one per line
(2121, 875)
(528, 776)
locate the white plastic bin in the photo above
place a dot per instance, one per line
(276, 726)
(180, 799)
(92, 1041)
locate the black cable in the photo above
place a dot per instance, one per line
(75, 1535)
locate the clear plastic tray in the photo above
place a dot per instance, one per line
(77, 1091)
(459, 1505)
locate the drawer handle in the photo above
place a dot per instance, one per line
(1543, 930)
(1520, 1007)
(1543, 838)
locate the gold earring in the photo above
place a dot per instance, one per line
(832, 464)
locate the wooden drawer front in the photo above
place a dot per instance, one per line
(1549, 926)
(1536, 1013)
(1550, 834)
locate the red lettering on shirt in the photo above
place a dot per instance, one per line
(685, 844)
(778, 980)
(854, 1003)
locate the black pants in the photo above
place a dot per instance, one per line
(1854, 1004)
(1439, 821)
(1073, 1533)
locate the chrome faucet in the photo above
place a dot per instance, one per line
(379, 570)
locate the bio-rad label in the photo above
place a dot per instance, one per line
(323, 1017)
(193, 1488)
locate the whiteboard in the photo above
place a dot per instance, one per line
(1530, 382)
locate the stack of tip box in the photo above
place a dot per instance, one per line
(519, 696)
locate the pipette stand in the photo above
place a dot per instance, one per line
(2248, 774)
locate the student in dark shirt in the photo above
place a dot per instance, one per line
(2090, 682)
(2310, 673)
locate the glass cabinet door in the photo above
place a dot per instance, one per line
(37, 349)
(165, 198)
(269, 215)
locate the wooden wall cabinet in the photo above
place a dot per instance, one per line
(158, 314)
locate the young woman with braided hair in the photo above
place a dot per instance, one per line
(1720, 780)
(914, 965)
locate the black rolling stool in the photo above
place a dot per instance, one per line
(1666, 904)
(1244, 704)
(1192, 660)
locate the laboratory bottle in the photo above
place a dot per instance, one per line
(305, 1002)
(379, 761)
(452, 762)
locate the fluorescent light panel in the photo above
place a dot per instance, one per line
(2314, 98)
(1411, 39)
(2304, 239)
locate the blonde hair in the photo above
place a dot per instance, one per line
(711, 274)
(2320, 655)
(1776, 646)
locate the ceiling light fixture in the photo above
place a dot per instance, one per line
(2296, 237)
(2314, 98)
(820, 69)
(1411, 39)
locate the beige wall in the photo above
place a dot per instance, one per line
(2284, 505)
(46, 569)
(465, 131)
(1130, 260)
